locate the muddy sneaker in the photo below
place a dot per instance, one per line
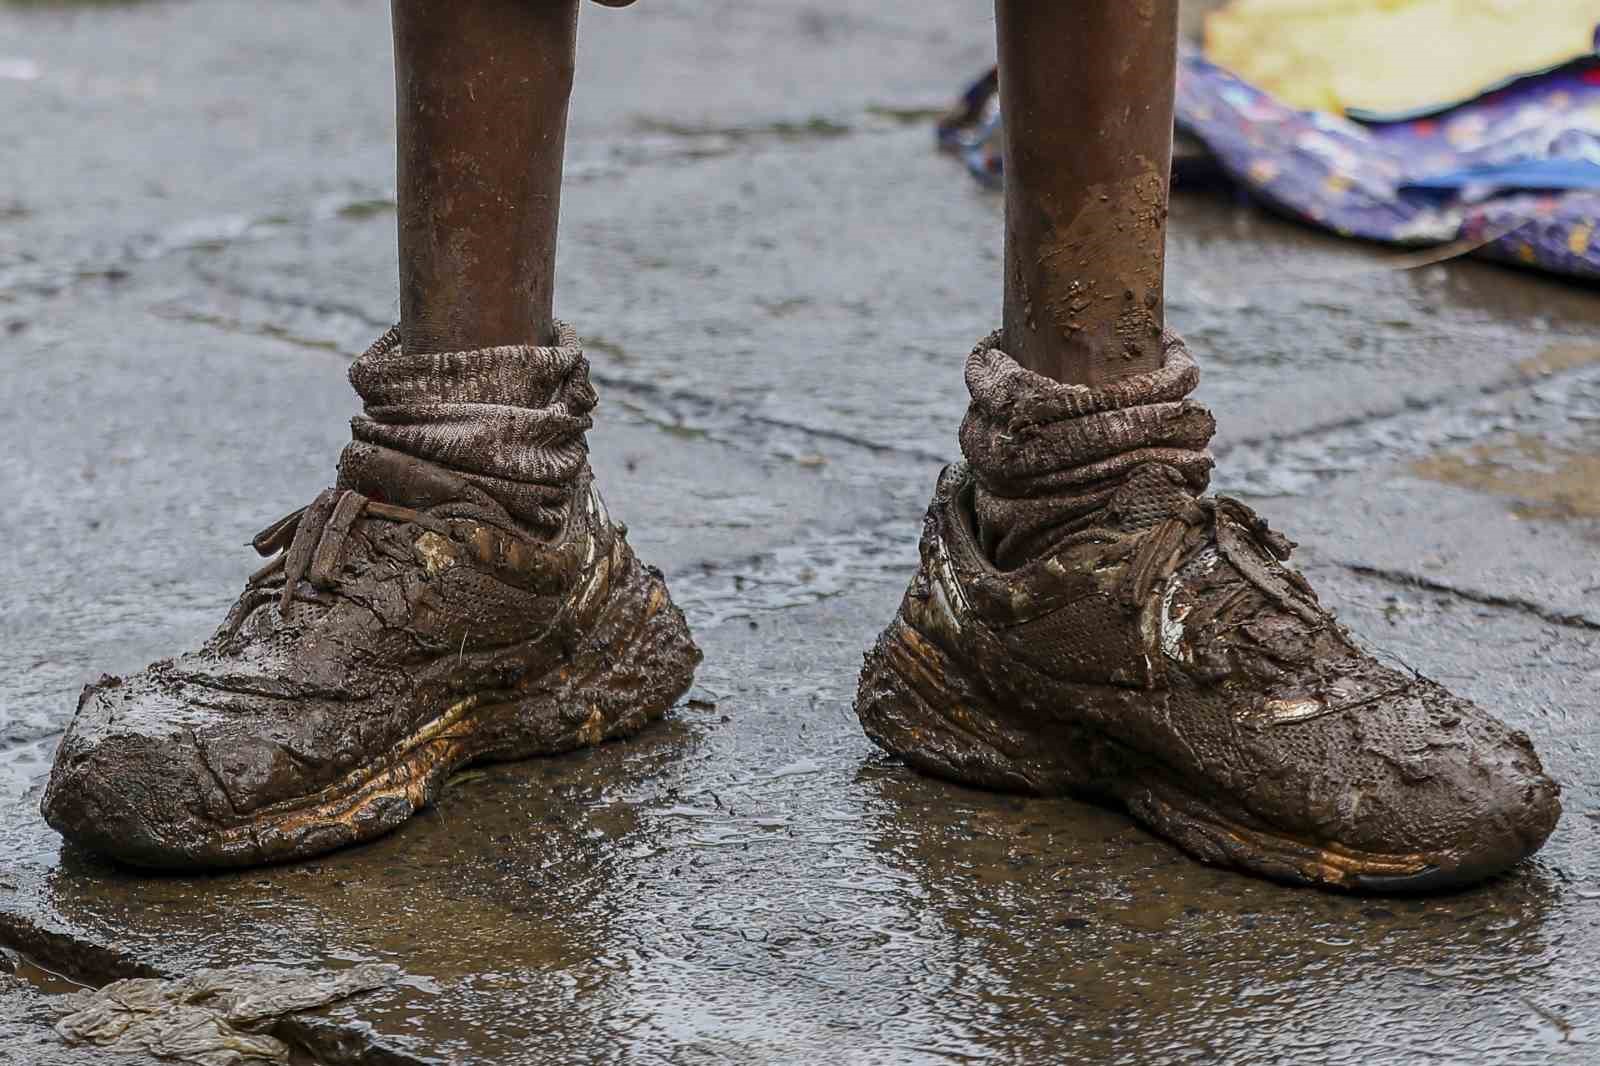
(461, 595)
(1084, 621)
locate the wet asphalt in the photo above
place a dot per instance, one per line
(778, 279)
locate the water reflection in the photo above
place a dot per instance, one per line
(499, 902)
(1092, 941)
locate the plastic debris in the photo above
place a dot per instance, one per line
(210, 1018)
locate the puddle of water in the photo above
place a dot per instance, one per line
(1548, 480)
(21, 763)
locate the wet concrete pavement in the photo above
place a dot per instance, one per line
(778, 280)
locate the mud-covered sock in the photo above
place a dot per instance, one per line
(510, 421)
(1048, 458)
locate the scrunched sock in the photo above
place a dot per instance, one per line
(510, 420)
(1048, 457)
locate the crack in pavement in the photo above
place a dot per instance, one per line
(232, 325)
(711, 411)
(669, 408)
(1519, 378)
(1404, 578)
(1348, 446)
(1288, 464)
(1548, 406)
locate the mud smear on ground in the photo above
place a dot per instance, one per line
(1558, 359)
(47, 981)
(1546, 479)
(783, 130)
(1539, 399)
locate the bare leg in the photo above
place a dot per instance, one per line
(481, 92)
(1088, 95)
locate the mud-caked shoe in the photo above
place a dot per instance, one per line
(460, 595)
(1085, 621)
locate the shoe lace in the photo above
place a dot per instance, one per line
(311, 546)
(1241, 536)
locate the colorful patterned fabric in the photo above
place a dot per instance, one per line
(1516, 172)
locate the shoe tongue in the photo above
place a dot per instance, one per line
(1152, 493)
(393, 477)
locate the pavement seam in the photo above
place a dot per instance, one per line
(616, 382)
(1506, 386)
(1414, 406)
(1570, 620)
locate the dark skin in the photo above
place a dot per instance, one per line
(1088, 96)
(482, 90)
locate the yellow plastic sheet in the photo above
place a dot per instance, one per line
(1394, 55)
